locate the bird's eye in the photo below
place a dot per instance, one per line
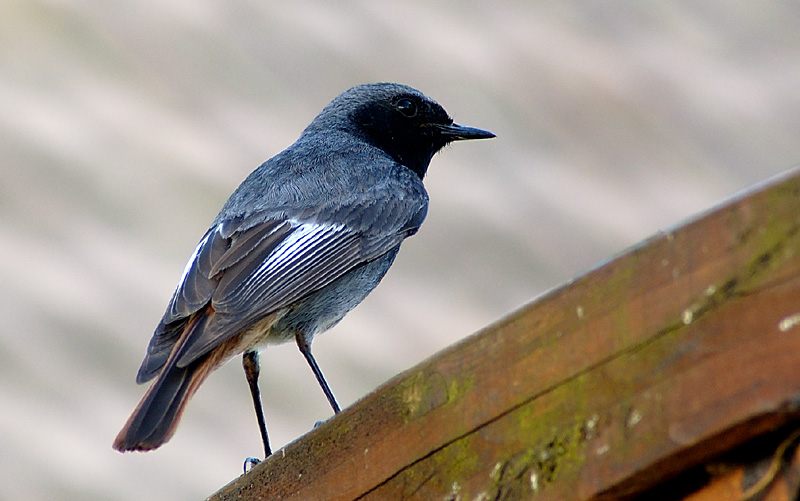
(407, 107)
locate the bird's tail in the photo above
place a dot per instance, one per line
(155, 419)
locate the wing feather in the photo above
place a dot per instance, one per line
(310, 257)
(249, 267)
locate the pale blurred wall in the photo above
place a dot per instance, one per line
(125, 125)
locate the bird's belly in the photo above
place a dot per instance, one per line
(326, 307)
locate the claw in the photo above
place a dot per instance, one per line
(250, 463)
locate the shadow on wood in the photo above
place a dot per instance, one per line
(652, 365)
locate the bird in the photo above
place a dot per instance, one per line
(302, 241)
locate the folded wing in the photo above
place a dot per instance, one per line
(248, 267)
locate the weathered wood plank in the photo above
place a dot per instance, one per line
(654, 362)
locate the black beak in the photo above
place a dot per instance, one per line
(455, 132)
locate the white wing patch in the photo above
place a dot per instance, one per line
(193, 258)
(289, 258)
(304, 236)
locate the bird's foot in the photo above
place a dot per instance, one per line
(250, 463)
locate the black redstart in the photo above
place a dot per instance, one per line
(299, 244)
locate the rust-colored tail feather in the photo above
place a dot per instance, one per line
(156, 417)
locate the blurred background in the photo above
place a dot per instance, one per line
(125, 125)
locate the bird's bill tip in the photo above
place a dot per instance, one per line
(457, 132)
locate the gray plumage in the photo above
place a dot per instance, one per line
(304, 239)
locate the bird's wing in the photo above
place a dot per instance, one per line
(248, 267)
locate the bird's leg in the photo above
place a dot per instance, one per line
(305, 349)
(251, 371)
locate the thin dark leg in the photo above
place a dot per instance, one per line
(305, 349)
(251, 371)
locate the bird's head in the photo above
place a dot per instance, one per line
(398, 119)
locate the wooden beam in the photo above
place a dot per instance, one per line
(657, 361)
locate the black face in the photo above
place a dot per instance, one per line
(396, 118)
(406, 127)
